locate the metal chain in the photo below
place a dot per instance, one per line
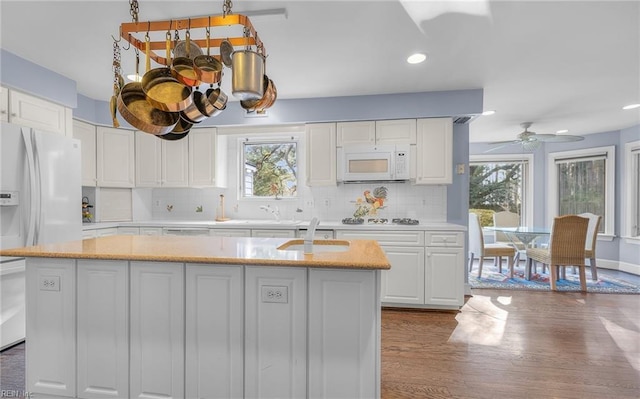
(117, 71)
(134, 9)
(226, 8)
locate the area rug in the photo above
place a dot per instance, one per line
(540, 281)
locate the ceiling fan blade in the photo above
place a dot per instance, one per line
(503, 144)
(561, 138)
(541, 137)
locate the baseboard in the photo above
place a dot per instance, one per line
(620, 266)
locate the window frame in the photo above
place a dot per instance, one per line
(258, 139)
(610, 184)
(631, 207)
(528, 170)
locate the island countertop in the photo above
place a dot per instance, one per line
(361, 254)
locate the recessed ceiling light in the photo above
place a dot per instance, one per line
(631, 106)
(563, 131)
(134, 78)
(487, 113)
(416, 58)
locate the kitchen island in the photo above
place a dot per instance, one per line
(195, 317)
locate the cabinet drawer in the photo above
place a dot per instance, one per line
(412, 238)
(230, 232)
(445, 239)
(150, 231)
(128, 231)
(266, 233)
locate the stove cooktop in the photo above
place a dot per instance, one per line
(400, 221)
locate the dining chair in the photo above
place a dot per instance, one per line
(590, 245)
(566, 248)
(478, 249)
(508, 219)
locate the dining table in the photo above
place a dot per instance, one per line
(525, 235)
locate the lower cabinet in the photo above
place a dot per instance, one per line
(444, 278)
(404, 282)
(273, 233)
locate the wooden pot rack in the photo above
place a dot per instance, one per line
(128, 31)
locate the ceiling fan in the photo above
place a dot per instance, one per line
(531, 140)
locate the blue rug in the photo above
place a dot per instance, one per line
(540, 281)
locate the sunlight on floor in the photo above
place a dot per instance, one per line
(627, 340)
(482, 322)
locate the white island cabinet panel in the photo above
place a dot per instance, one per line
(344, 324)
(51, 327)
(214, 331)
(103, 330)
(157, 330)
(275, 332)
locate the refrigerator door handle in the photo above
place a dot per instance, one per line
(26, 136)
(38, 173)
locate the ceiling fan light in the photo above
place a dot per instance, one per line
(631, 106)
(531, 144)
(562, 131)
(416, 58)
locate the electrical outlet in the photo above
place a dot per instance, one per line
(275, 294)
(326, 202)
(157, 202)
(309, 203)
(49, 283)
(460, 169)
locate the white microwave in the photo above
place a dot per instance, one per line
(367, 162)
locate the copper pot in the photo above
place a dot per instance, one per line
(135, 109)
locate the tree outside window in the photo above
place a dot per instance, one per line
(495, 187)
(270, 169)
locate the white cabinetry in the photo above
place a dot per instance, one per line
(150, 231)
(103, 331)
(399, 131)
(110, 231)
(230, 232)
(214, 331)
(207, 158)
(273, 233)
(275, 332)
(161, 163)
(115, 157)
(434, 158)
(321, 154)
(128, 231)
(86, 133)
(157, 330)
(51, 327)
(4, 104)
(27, 110)
(444, 268)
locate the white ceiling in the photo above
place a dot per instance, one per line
(562, 65)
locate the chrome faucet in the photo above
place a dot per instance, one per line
(274, 211)
(308, 238)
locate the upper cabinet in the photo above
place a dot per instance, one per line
(86, 133)
(434, 151)
(115, 157)
(30, 111)
(4, 104)
(321, 154)
(207, 158)
(400, 131)
(161, 163)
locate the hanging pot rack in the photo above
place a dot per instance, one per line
(129, 31)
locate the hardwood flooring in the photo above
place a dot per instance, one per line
(515, 344)
(502, 344)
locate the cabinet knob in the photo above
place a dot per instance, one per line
(14, 114)
(3, 112)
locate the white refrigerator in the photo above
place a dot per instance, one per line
(40, 203)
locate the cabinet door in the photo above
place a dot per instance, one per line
(116, 153)
(207, 158)
(40, 114)
(344, 321)
(4, 104)
(275, 332)
(404, 282)
(148, 160)
(51, 327)
(230, 232)
(110, 231)
(321, 154)
(356, 133)
(157, 330)
(103, 329)
(214, 331)
(444, 276)
(175, 163)
(86, 133)
(266, 233)
(434, 161)
(399, 131)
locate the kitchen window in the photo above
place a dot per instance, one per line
(583, 181)
(270, 169)
(632, 188)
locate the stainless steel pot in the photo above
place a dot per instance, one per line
(247, 82)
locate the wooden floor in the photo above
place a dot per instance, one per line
(515, 344)
(502, 344)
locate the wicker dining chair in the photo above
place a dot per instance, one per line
(508, 219)
(478, 249)
(566, 248)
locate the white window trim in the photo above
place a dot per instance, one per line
(552, 185)
(628, 207)
(528, 158)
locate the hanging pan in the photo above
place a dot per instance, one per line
(208, 69)
(182, 67)
(163, 91)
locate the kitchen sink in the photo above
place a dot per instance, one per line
(318, 246)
